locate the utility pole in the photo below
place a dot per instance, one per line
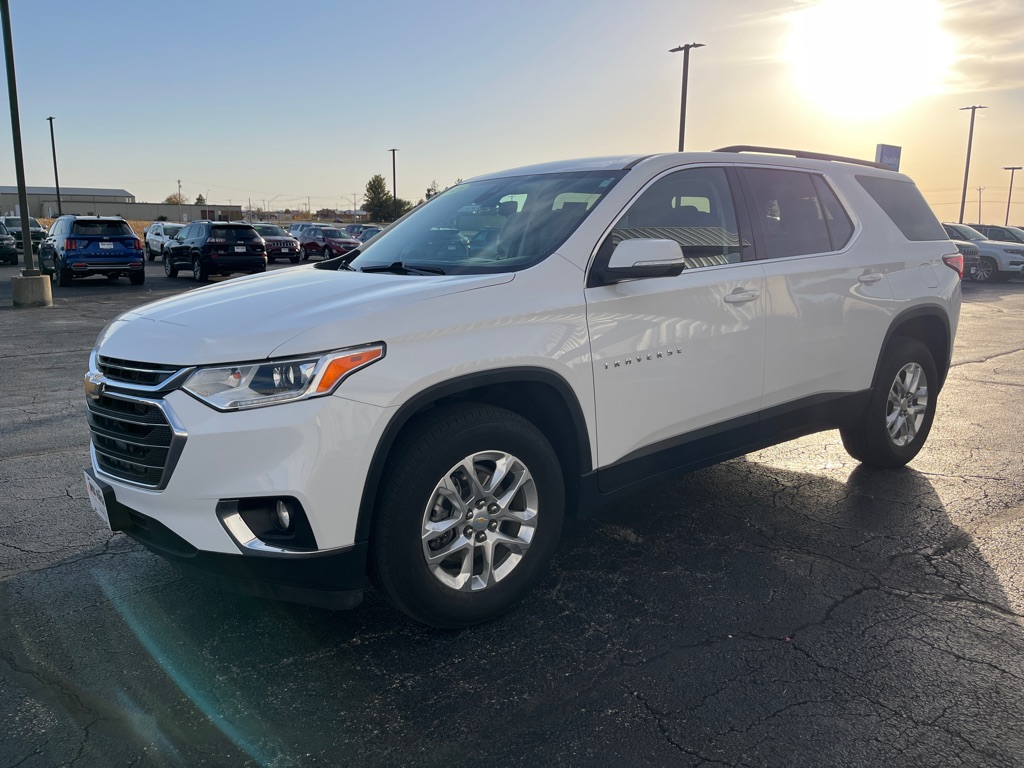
(979, 204)
(31, 289)
(394, 183)
(56, 180)
(967, 168)
(1011, 169)
(179, 200)
(682, 102)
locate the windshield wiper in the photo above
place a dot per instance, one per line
(401, 268)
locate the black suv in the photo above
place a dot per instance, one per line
(79, 246)
(36, 231)
(215, 248)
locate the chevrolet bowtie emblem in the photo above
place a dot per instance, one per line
(93, 385)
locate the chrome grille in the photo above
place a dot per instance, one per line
(133, 439)
(131, 372)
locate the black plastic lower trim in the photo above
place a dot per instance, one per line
(333, 579)
(718, 443)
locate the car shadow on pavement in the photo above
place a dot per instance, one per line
(746, 614)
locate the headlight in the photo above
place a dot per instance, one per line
(1015, 251)
(254, 385)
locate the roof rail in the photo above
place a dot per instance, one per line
(803, 154)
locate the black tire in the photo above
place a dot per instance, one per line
(430, 450)
(986, 271)
(64, 275)
(199, 273)
(293, 259)
(328, 253)
(149, 252)
(304, 253)
(137, 278)
(169, 269)
(871, 442)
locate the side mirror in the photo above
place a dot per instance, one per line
(640, 258)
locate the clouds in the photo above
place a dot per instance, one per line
(990, 41)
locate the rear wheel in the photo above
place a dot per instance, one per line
(469, 515)
(199, 273)
(149, 252)
(63, 275)
(899, 415)
(328, 253)
(169, 269)
(137, 278)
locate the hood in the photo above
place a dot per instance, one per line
(248, 318)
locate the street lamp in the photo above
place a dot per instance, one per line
(967, 168)
(394, 183)
(1011, 169)
(682, 103)
(56, 181)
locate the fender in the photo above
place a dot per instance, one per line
(453, 388)
(931, 311)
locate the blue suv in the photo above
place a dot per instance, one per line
(79, 246)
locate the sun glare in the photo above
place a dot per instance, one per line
(868, 58)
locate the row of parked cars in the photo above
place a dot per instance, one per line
(990, 252)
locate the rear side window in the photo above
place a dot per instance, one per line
(791, 216)
(904, 204)
(102, 228)
(840, 228)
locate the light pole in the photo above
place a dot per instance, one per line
(394, 182)
(979, 204)
(682, 102)
(56, 181)
(1011, 169)
(967, 168)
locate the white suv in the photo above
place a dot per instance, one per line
(158, 235)
(433, 407)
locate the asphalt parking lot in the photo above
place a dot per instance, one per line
(785, 608)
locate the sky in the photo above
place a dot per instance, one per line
(280, 102)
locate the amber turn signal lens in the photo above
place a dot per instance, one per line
(341, 367)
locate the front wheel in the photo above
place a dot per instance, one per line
(149, 252)
(137, 278)
(63, 275)
(169, 269)
(304, 253)
(899, 415)
(293, 259)
(468, 517)
(986, 270)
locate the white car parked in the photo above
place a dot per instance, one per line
(427, 412)
(158, 234)
(998, 260)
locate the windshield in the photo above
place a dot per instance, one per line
(963, 232)
(530, 217)
(270, 230)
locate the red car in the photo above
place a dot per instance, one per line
(325, 241)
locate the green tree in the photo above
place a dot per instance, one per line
(432, 189)
(377, 201)
(200, 200)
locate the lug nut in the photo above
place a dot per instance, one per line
(480, 504)
(493, 525)
(494, 509)
(481, 536)
(467, 531)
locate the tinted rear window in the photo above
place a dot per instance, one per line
(904, 204)
(235, 234)
(102, 228)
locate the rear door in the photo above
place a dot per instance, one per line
(678, 361)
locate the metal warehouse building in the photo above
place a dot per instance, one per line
(94, 201)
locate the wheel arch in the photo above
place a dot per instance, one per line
(537, 394)
(928, 324)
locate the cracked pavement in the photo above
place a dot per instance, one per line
(785, 608)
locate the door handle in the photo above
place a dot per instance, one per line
(739, 296)
(870, 277)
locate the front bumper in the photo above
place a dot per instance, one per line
(333, 579)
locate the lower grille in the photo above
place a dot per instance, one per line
(133, 439)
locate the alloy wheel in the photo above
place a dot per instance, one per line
(907, 403)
